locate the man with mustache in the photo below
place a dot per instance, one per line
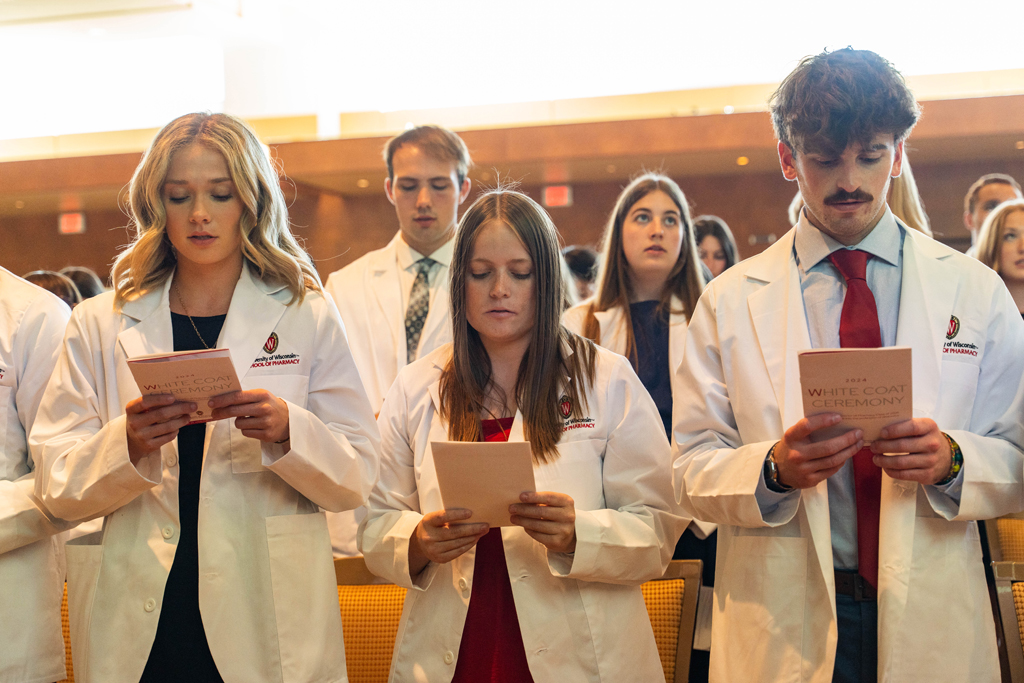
(840, 560)
(394, 301)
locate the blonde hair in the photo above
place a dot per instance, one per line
(614, 287)
(267, 241)
(466, 379)
(992, 230)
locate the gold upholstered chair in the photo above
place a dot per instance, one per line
(1009, 579)
(672, 607)
(370, 612)
(65, 627)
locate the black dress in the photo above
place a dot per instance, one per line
(180, 651)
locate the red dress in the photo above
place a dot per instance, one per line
(492, 646)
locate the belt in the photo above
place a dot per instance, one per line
(853, 585)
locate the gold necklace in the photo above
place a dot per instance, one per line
(184, 308)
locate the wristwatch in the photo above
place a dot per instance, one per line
(771, 473)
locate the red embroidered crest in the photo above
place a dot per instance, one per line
(271, 344)
(565, 405)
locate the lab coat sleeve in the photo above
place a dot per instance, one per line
(715, 475)
(632, 539)
(36, 345)
(334, 444)
(393, 511)
(83, 468)
(993, 445)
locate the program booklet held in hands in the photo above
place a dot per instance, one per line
(195, 376)
(870, 388)
(484, 477)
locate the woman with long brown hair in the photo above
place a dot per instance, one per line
(648, 285)
(554, 596)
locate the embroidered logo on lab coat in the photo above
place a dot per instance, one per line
(271, 344)
(565, 405)
(954, 327)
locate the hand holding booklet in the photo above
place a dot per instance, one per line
(483, 477)
(870, 388)
(195, 376)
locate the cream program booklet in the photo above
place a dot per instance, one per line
(870, 388)
(195, 376)
(483, 477)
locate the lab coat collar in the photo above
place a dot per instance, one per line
(255, 309)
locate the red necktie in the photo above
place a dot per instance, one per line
(858, 328)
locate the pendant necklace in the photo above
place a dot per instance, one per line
(185, 308)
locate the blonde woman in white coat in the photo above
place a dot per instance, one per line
(555, 596)
(32, 325)
(214, 562)
(647, 287)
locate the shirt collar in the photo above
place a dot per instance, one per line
(813, 246)
(407, 256)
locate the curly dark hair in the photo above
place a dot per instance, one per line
(835, 98)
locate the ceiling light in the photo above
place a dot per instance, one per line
(363, 183)
(742, 161)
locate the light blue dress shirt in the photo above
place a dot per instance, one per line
(823, 288)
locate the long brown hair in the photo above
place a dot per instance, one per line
(614, 287)
(267, 241)
(540, 384)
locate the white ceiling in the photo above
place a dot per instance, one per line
(128, 64)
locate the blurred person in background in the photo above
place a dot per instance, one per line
(582, 261)
(58, 284)
(984, 195)
(648, 284)
(1001, 246)
(88, 282)
(715, 244)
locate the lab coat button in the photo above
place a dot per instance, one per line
(449, 657)
(150, 605)
(172, 460)
(463, 585)
(168, 531)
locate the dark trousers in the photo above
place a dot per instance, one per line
(857, 650)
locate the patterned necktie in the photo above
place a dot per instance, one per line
(419, 306)
(858, 328)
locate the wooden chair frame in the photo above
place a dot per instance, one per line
(690, 571)
(1007, 574)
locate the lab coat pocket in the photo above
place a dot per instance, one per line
(246, 452)
(84, 558)
(305, 598)
(576, 472)
(767, 578)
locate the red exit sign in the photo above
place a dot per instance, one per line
(71, 223)
(557, 196)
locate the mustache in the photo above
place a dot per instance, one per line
(857, 195)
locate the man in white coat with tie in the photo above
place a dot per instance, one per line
(394, 301)
(837, 562)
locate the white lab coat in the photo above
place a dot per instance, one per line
(582, 617)
(612, 331)
(368, 293)
(775, 616)
(32, 323)
(267, 586)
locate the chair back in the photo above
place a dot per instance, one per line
(672, 607)
(65, 627)
(1009, 578)
(370, 612)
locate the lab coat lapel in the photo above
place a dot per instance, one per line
(676, 336)
(152, 332)
(780, 322)
(612, 331)
(438, 316)
(926, 301)
(252, 316)
(387, 296)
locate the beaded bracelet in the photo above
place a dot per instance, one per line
(957, 462)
